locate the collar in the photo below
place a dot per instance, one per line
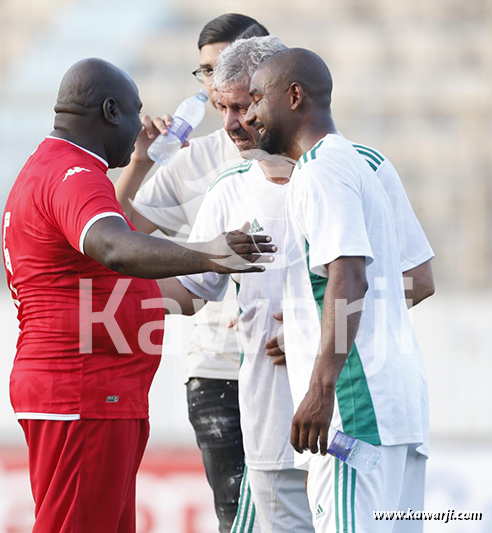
(99, 158)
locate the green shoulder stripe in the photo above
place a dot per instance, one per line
(310, 155)
(238, 169)
(313, 151)
(373, 158)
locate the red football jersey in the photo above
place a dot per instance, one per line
(90, 338)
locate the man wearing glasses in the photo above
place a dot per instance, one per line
(174, 194)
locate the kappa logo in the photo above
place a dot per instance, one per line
(255, 227)
(74, 170)
(319, 512)
(112, 399)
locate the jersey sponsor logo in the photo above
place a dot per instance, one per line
(255, 227)
(112, 399)
(74, 170)
(319, 512)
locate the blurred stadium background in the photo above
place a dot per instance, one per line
(413, 79)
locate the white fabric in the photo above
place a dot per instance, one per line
(338, 207)
(246, 520)
(264, 395)
(343, 499)
(46, 416)
(173, 196)
(280, 500)
(414, 246)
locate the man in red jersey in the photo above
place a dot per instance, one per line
(90, 328)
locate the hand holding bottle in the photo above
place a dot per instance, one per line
(187, 116)
(151, 129)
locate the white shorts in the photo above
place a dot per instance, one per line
(280, 502)
(246, 520)
(344, 500)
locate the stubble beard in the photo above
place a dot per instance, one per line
(272, 142)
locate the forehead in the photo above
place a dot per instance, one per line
(260, 79)
(134, 94)
(129, 92)
(209, 53)
(235, 93)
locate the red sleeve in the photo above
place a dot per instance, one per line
(80, 199)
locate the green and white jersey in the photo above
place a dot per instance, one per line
(337, 207)
(414, 246)
(244, 194)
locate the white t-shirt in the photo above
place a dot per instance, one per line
(171, 199)
(336, 207)
(239, 195)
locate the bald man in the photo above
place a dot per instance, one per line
(91, 316)
(352, 358)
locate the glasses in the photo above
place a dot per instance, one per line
(203, 73)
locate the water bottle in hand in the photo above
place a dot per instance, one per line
(356, 453)
(189, 114)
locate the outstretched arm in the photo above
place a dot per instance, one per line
(111, 242)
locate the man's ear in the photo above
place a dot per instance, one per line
(110, 110)
(296, 94)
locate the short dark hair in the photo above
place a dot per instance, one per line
(229, 27)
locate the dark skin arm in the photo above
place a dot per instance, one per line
(419, 284)
(178, 299)
(111, 242)
(346, 281)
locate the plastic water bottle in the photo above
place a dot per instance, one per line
(189, 114)
(356, 453)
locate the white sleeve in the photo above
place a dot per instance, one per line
(329, 203)
(209, 223)
(175, 192)
(163, 192)
(414, 246)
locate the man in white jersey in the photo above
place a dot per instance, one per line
(170, 199)
(355, 365)
(254, 191)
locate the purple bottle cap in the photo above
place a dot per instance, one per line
(341, 445)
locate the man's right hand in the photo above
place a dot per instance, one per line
(234, 251)
(150, 130)
(275, 347)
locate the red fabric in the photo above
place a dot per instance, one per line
(83, 473)
(59, 190)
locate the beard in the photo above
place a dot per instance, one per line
(273, 141)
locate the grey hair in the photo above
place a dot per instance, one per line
(239, 60)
